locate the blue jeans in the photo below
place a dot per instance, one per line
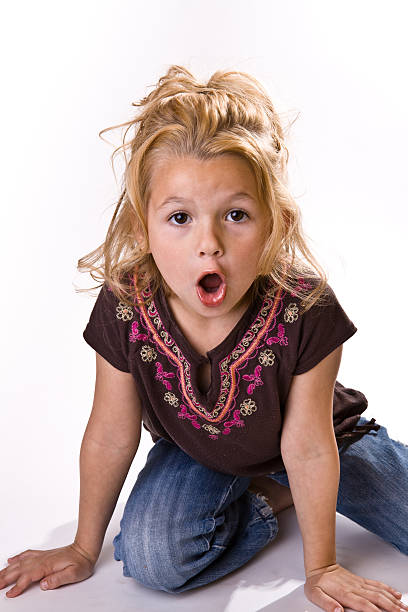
(185, 525)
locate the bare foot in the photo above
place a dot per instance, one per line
(277, 496)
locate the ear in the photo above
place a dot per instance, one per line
(140, 243)
(140, 239)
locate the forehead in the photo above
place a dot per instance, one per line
(187, 177)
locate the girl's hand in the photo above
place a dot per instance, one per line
(333, 586)
(57, 566)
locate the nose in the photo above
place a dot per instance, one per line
(209, 241)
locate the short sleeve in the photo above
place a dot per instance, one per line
(323, 328)
(108, 329)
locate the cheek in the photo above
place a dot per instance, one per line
(248, 253)
(250, 244)
(169, 259)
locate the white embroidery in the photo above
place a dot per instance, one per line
(124, 311)
(247, 407)
(171, 398)
(147, 353)
(267, 358)
(291, 313)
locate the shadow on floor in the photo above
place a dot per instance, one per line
(272, 581)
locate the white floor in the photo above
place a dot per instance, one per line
(271, 581)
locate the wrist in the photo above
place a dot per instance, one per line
(91, 556)
(325, 568)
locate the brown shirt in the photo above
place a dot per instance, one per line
(235, 426)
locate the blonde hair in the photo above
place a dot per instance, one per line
(230, 114)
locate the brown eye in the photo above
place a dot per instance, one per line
(179, 216)
(238, 213)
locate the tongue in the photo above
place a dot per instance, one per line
(210, 282)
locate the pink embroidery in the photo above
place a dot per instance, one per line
(302, 285)
(239, 357)
(184, 414)
(228, 367)
(135, 335)
(280, 338)
(255, 377)
(161, 375)
(237, 422)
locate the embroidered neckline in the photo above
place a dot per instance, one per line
(163, 309)
(246, 348)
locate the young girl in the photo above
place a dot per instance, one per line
(213, 332)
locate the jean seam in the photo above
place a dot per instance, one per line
(224, 497)
(268, 517)
(213, 513)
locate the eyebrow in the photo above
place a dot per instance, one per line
(176, 199)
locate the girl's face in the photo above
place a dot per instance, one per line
(205, 216)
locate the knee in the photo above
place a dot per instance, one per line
(159, 556)
(145, 555)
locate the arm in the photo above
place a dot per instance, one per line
(109, 445)
(309, 452)
(310, 455)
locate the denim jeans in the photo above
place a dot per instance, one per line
(185, 525)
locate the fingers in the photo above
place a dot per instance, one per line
(341, 587)
(17, 573)
(24, 555)
(12, 559)
(388, 593)
(377, 600)
(359, 602)
(68, 575)
(384, 600)
(22, 583)
(65, 576)
(8, 575)
(381, 585)
(56, 567)
(53, 581)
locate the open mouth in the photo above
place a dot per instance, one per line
(210, 283)
(211, 289)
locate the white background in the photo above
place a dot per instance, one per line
(70, 70)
